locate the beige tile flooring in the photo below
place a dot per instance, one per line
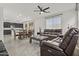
(21, 47)
(24, 48)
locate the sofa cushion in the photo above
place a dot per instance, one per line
(67, 38)
(70, 48)
(55, 41)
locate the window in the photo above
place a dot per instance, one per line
(53, 22)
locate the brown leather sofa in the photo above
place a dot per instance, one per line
(51, 33)
(64, 48)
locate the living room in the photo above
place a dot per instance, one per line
(23, 26)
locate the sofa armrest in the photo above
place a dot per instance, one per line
(52, 46)
(48, 49)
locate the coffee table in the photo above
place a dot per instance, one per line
(38, 38)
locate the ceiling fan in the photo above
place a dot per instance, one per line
(42, 10)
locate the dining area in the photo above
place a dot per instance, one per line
(21, 34)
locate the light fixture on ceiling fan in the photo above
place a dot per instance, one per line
(42, 10)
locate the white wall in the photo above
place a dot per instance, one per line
(13, 15)
(68, 19)
(39, 23)
(1, 23)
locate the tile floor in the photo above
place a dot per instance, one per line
(21, 47)
(24, 48)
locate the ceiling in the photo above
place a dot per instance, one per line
(19, 12)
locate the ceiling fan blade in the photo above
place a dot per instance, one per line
(46, 11)
(46, 8)
(40, 8)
